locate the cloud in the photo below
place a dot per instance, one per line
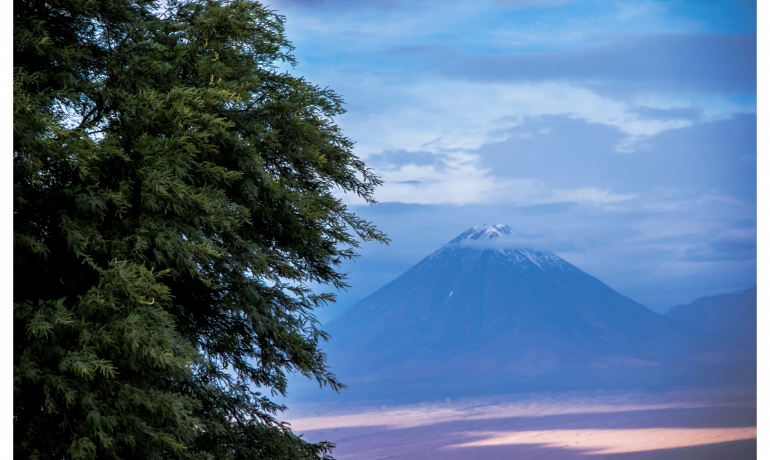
(457, 179)
(732, 244)
(694, 63)
(398, 158)
(588, 195)
(704, 159)
(537, 239)
(716, 158)
(555, 158)
(453, 177)
(673, 113)
(428, 115)
(556, 149)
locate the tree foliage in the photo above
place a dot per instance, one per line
(173, 199)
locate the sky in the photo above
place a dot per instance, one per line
(620, 135)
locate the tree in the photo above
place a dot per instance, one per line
(173, 199)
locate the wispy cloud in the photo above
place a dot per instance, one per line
(456, 114)
(692, 63)
(588, 195)
(731, 244)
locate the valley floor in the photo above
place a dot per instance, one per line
(694, 424)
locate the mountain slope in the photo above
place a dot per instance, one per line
(733, 313)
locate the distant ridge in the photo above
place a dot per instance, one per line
(733, 313)
(469, 318)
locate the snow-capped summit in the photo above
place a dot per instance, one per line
(484, 232)
(504, 240)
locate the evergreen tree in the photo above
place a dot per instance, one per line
(173, 199)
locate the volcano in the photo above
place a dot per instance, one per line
(483, 315)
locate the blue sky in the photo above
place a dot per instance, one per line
(620, 135)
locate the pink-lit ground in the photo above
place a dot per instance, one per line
(705, 424)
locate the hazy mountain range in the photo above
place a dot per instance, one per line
(732, 314)
(483, 315)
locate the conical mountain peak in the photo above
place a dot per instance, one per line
(525, 312)
(485, 311)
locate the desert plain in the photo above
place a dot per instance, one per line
(702, 424)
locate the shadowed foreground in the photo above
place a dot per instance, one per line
(705, 424)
